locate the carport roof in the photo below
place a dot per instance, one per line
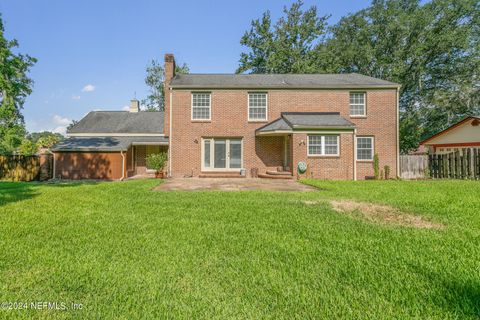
(106, 144)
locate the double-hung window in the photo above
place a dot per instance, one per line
(201, 106)
(357, 104)
(257, 106)
(319, 145)
(365, 148)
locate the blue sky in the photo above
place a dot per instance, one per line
(92, 54)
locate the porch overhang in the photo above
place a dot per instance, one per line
(106, 144)
(291, 122)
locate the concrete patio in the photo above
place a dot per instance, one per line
(231, 184)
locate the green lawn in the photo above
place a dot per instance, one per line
(125, 252)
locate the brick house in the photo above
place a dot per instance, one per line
(235, 125)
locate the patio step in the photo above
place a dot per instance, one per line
(279, 173)
(275, 176)
(220, 175)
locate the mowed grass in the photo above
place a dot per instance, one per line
(123, 251)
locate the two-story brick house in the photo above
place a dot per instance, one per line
(270, 125)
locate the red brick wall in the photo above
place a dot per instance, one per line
(229, 119)
(325, 167)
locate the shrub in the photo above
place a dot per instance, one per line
(386, 169)
(157, 161)
(376, 169)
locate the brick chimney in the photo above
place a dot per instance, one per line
(169, 70)
(134, 105)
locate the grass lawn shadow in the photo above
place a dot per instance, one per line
(458, 297)
(16, 191)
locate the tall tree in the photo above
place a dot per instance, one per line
(15, 86)
(432, 50)
(45, 139)
(154, 80)
(285, 47)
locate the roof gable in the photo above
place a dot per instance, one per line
(460, 132)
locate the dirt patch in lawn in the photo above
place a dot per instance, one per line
(381, 214)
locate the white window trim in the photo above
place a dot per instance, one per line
(323, 146)
(212, 155)
(364, 105)
(210, 108)
(266, 107)
(356, 150)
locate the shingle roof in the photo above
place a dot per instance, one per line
(286, 81)
(290, 121)
(276, 125)
(298, 120)
(120, 122)
(105, 143)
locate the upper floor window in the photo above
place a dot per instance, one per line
(257, 106)
(323, 145)
(364, 148)
(201, 106)
(357, 104)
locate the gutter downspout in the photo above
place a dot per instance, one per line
(54, 173)
(123, 166)
(398, 133)
(355, 154)
(170, 137)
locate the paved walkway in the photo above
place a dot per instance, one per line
(232, 184)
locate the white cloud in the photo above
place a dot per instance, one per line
(126, 108)
(61, 130)
(88, 88)
(61, 121)
(76, 97)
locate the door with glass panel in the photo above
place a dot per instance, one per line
(221, 154)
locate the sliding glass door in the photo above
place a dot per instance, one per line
(221, 154)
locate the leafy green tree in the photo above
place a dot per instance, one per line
(45, 139)
(15, 86)
(432, 50)
(286, 46)
(28, 147)
(154, 80)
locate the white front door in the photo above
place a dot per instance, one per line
(220, 154)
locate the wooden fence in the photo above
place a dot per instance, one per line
(26, 168)
(413, 166)
(464, 164)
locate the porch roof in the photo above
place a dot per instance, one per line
(107, 144)
(290, 121)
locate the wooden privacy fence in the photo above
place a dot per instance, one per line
(26, 168)
(413, 166)
(464, 164)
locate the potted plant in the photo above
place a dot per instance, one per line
(157, 161)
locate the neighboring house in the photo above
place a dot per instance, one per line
(463, 134)
(236, 124)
